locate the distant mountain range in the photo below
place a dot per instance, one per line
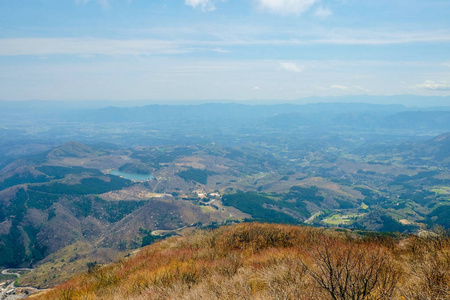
(404, 100)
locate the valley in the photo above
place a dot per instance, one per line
(82, 203)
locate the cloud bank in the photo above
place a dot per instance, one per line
(339, 87)
(433, 86)
(79, 46)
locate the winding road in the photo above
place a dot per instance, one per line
(313, 217)
(9, 287)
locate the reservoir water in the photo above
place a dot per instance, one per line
(130, 176)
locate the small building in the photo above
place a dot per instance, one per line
(200, 193)
(214, 195)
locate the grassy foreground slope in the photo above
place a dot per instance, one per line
(262, 261)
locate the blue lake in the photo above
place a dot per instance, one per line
(135, 177)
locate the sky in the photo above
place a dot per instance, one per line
(222, 49)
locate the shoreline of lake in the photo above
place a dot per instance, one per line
(133, 177)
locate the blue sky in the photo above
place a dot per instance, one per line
(222, 49)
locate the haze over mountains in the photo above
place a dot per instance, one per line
(54, 123)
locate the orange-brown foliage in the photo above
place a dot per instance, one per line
(266, 261)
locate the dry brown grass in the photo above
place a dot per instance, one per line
(263, 261)
(428, 264)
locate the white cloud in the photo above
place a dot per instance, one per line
(351, 88)
(286, 6)
(90, 46)
(76, 46)
(323, 12)
(290, 67)
(433, 86)
(360, 88)
(165, 77)
(256, 88)
(205, 5)
(83, 46)
(220, 50)
(339, 87)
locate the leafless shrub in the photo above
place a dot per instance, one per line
(353, 271)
